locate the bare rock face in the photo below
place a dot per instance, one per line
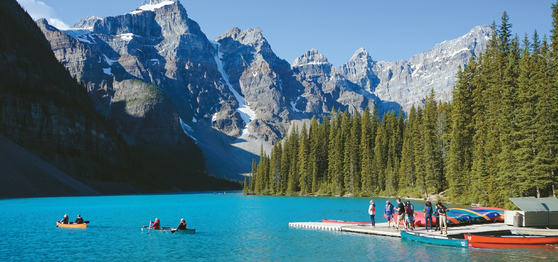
(408, 82)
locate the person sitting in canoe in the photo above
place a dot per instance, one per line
(156, 224)
(79, 220)
(182, 225)
(64, 220)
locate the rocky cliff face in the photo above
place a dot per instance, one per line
(233, 94)
(55, 142)
(46, 111)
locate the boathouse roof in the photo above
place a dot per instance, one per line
(532, 204)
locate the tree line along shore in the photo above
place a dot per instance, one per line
(496, 139)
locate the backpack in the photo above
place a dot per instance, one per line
(409, 209)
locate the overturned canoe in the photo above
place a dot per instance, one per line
(434, 239)
(325, 220)
(511, 239)
(168, 230)
(84, 225)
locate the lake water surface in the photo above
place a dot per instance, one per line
(229, 227)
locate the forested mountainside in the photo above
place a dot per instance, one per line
(497, 139)
(49, 115)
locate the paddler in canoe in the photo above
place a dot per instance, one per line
(64, 220)
(156, 224)
(79, 220)
(182, 225)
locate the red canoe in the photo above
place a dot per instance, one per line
(325, 220)
(512, 240)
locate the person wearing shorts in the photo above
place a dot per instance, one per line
(410, 212)
(401, 213)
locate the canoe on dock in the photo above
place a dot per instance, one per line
(434, 239)
(168, 230)
(325, 220)
(84, 225)
(511, 239)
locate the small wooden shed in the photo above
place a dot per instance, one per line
(535, 212)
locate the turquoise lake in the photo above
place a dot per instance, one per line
(229, 227)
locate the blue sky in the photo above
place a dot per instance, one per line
(388, 30)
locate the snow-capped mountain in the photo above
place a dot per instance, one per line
(155, 74)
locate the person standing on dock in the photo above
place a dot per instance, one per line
(437, 216)
(428, 216)
(372, 213)
(443, 218)
(388, 213)
(410, 212)
(401, 213)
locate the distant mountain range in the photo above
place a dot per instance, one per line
(156, 76)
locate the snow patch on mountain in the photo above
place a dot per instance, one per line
(108, 71)
(187, 130)
(246, 113)
(151, 6)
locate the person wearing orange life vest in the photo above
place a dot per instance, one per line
(182, 225)
(372, 213)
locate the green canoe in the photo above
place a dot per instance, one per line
(435, 239)
(167, 230)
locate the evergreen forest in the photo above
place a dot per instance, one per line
(496, 139)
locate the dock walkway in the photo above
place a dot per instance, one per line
(455, 231)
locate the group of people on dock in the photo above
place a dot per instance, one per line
(156, 225)
(405, 213)
(65, 220)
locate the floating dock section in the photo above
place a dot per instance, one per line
(382, 229)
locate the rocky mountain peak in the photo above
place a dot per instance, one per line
(361, 55)
(311, 57)
(86, 23)
(251, 37)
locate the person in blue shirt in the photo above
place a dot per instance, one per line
(388, 213)
(428, 216)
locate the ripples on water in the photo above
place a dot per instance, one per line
(228, 227)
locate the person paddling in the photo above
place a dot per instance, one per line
(64, 220)
(182, 225)
(79, 220)
(156, 224)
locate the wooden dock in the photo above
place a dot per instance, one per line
(455, 231)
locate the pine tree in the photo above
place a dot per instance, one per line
(460, 155)
(366, 154)
(305, 180)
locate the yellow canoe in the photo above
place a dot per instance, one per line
(58, 224)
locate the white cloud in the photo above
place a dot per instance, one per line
(38, 9)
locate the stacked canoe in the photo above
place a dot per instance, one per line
(460, 216)
(456, 216)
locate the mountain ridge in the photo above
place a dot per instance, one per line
(237, 86)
